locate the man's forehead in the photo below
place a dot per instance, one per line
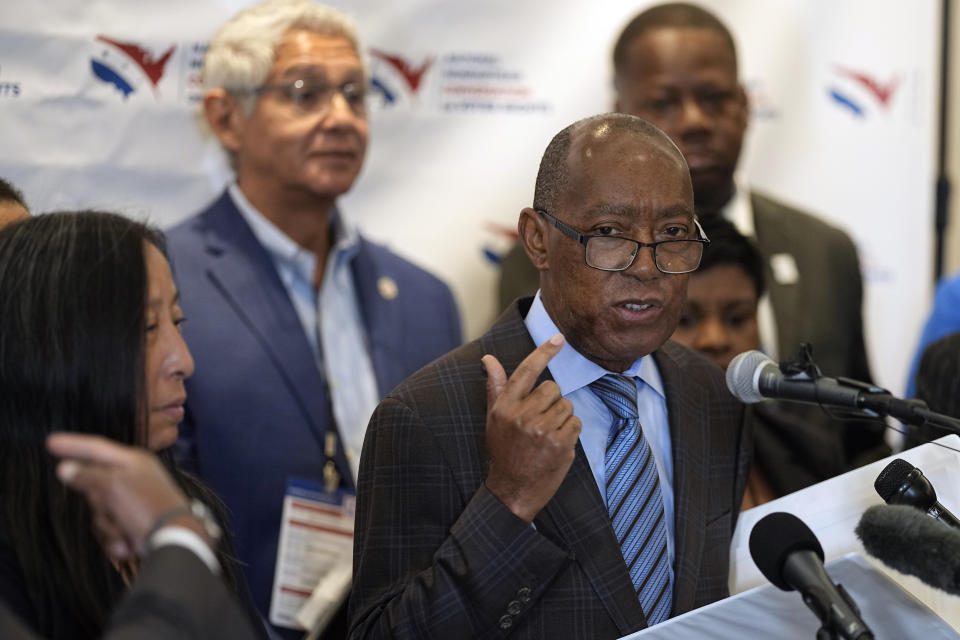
(607, 166)
(628, 211)
(302, 51)
(628, 146)
(700, 46)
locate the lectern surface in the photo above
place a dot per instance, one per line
(767, 612)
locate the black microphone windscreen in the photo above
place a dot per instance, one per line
(774, 538)
(911, 542)
(892, 478)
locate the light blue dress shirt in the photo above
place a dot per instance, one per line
(573, 373)
(340, 349)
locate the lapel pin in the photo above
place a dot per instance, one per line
(784, 269)
(387, 287)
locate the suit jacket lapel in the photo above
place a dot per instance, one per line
(381, 315)
(577, 514)
(689, 434)
(784, 297)
(244, 273)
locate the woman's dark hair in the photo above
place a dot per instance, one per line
(729, 246)
(73, 289)
(9, 193)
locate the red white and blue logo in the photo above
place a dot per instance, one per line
(128, 66)
(394, 77)
(861, 93)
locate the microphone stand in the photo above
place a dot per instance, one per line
(830, 629)
(874, 401)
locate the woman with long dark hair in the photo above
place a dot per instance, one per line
(89, 342)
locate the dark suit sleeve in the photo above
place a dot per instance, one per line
(863, 440)
(852, 292)
(176, 596)
(433, 558)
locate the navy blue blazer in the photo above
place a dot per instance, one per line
(257, 408)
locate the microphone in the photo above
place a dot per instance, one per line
(790, 556)
(904, 539)
(902, 483)
(752, 376)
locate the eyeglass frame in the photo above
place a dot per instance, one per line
(583, 239)
(330, 90)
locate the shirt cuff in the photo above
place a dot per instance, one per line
(173, 535)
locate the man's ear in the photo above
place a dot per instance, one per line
(224, 117)
(532, 228)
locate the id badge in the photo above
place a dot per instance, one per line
(316, 539)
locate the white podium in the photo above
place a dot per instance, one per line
(833, 508)
(768, 612)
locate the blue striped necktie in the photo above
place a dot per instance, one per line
(633, 498)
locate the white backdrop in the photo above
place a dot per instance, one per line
(95, 113)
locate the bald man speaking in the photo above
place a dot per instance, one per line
(587, 487)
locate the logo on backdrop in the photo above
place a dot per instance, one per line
(499, 240)
(485, 83)
(127, 66)
(394, 76)
(861, 93)
(8, 88)
(453, 83)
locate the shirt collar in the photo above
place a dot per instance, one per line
(283, 249)
(570, 369)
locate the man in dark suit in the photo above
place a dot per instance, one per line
(298, 325)
(676, 66)
(603, 499)
(141, 513)
(173, 596)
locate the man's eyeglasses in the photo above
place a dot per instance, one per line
(315, 97)
(616, 253)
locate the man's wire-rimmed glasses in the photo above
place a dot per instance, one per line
(315, 97)
(616, 253)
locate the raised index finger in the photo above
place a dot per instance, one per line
(525, 376)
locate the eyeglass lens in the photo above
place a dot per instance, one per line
(312, 96)
(616, 254)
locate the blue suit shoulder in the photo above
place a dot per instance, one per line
(403, 271)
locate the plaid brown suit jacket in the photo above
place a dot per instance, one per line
(436, 555)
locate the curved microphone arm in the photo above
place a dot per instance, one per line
(911, 411)
(873, 400)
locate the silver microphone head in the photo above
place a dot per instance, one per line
(743, 375)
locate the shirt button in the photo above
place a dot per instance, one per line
(514, 607)
(506, 622)
(524, 594)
